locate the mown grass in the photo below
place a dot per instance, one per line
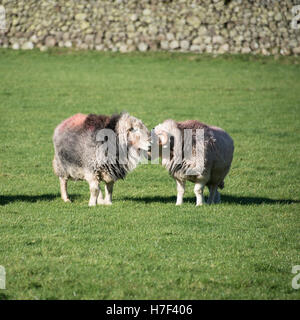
(143, 247)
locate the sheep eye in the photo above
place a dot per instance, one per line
(133, 130)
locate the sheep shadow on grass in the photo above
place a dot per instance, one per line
(4, 200)
(224, 199)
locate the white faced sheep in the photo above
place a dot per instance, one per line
(82, 143)
(216, 157)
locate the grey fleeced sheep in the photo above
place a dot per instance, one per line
(79, 152)
(217, 157)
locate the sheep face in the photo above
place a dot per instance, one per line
(134, 132)
(166, 132)
(165, 136)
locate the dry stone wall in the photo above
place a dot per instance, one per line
(212, 26)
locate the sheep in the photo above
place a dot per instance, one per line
(84, 150)
(217, 153)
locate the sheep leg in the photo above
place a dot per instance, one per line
(198, 190)
(180, 192)
(94, 190)
(217, 198)
(212, 193)
(63, 189)
(100, 199)
(108, 193)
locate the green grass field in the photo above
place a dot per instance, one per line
(143, 247)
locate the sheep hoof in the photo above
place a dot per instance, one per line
(104, 202)
(92, 204)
